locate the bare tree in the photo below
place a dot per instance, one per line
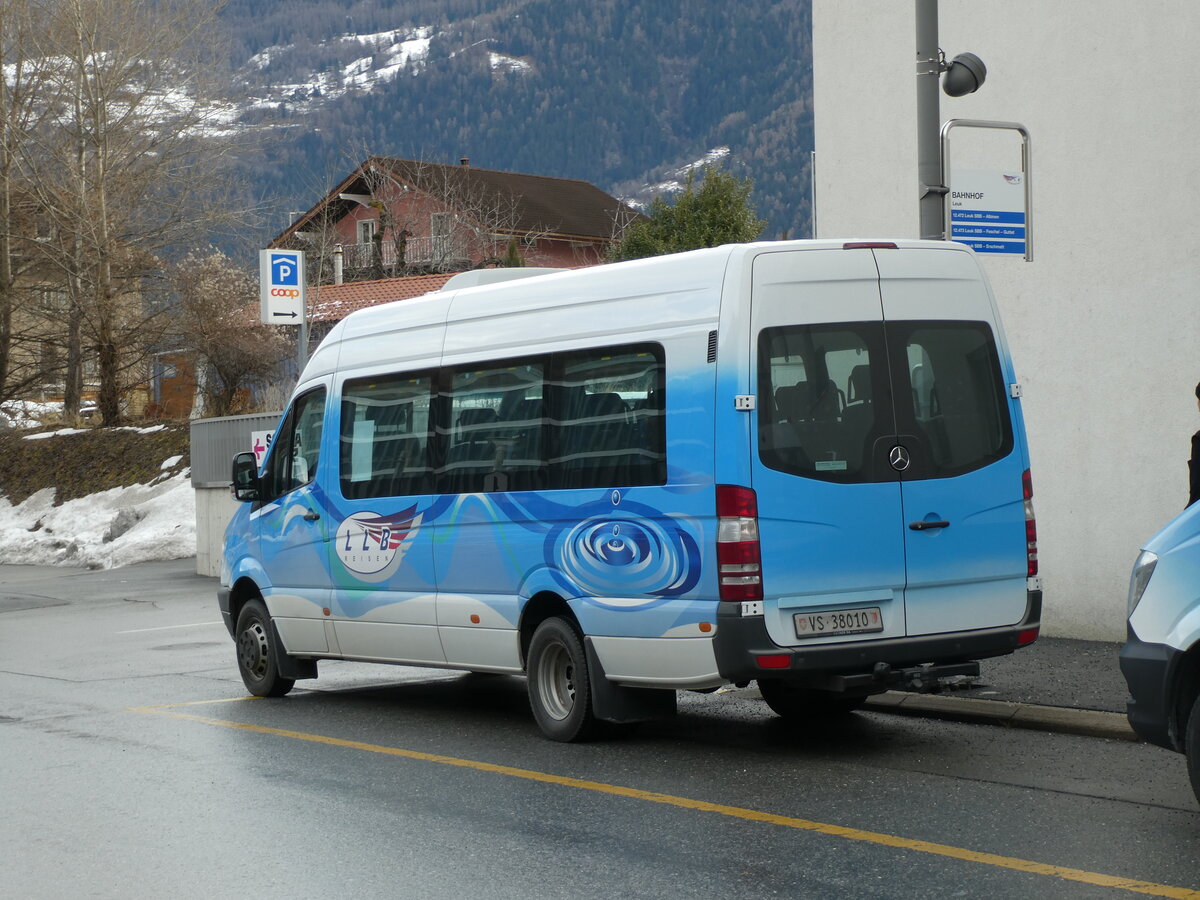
(134, 142)
(218, 303)
(22, 82)
(478, 221)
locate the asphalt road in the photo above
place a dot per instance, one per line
(135, 766)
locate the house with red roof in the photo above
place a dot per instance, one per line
(394, 218)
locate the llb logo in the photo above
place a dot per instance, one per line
(372, 546)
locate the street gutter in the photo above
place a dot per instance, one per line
(1061, 720)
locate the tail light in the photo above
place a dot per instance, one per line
(1030, 524)
(739, 561)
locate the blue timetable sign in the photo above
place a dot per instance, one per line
(987, 211)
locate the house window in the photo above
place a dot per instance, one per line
(52, 301)
(366, 230)
(44, 230)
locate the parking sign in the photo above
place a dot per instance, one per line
(281, 300)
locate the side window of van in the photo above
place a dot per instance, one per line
(296, 449)
(582, 419)
(609, 418)
(385, 440)
(495, 425)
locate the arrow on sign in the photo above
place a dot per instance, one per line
(290, 314)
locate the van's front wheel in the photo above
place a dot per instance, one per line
(793, 702)
(1191, 746)
(560, 693)
(258, 652)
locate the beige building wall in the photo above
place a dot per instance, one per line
(1104, 323)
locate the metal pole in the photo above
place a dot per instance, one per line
(812, 193)
(929, 183)
(302, 345)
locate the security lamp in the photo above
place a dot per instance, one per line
(964, 75)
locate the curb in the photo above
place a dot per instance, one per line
(1061, 720)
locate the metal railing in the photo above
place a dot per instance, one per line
(417, 251)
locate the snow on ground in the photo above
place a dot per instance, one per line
(674, 185)
(392, 52)
(113, 528)
(27, 413)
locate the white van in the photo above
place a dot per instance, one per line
(1161, 656)
(801, 463)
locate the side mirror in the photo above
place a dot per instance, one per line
(246, 486)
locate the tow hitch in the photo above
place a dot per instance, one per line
(913, 678)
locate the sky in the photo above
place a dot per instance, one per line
(114, 528)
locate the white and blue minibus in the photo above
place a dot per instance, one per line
(798, 463)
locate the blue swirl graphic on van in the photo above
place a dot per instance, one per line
(608, 556)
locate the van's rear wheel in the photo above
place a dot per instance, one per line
(258, 652)
(793, 702)
(1191, 746)
(560, 693)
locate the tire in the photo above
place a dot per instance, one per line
(1191, 746)
(560, 693)
(257, 652)
(792, 702)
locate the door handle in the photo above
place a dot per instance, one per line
(311, 516)
(925, 526)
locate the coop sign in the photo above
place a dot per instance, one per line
(281, 299)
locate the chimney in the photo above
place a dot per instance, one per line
(337, 264)
(464, 161)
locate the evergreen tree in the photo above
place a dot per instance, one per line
(717, 211)
(512, 256)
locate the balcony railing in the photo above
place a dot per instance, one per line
(438, 250)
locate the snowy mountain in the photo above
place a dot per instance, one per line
(628, 96)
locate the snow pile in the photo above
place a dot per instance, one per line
(27, 413)
(113, 528)
(42, 435)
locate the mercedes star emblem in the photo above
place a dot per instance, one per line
(899, 458)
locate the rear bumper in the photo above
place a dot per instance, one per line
(740, 640)
(1149, 670)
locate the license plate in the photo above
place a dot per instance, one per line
(864, 620)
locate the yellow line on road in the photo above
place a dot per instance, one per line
(152, 709)
(736, 812)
